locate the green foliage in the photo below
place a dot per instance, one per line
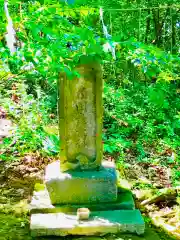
(141, 96)
(52, 41)
(141, 89)
(140, 116)
(149, 60)
(29, 116)
(147, 21)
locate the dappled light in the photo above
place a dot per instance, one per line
(90, 120)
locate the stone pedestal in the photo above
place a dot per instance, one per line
(81, 186)
(53, 210)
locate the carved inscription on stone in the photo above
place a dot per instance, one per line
(81, 119)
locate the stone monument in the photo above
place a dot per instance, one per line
(81, 179)
(80, 110)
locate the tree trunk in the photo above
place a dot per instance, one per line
(174, 48)
(148, 26)
(158, 24)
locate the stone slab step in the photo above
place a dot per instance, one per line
(41, 203)
(99, 223)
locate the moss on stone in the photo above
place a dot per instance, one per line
(80, 120)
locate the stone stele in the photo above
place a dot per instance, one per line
(81, 178)
(80, 117)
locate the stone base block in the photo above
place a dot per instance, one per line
(41, 203)
(81, 187)
(99, 223)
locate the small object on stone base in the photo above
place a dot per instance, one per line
(83, 213)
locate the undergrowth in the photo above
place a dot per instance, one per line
(141, 90)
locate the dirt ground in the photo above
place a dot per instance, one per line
(16, 186)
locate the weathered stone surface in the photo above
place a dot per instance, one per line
(80, 117)
(41, 203)
(81, 187)
(100, 223)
